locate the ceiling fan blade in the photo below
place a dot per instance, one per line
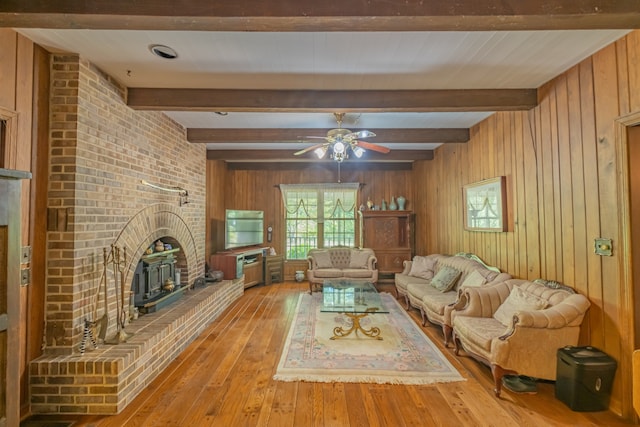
(362, 134)
(372, 147)
(306, 150)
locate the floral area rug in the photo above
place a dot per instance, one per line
(405, 355)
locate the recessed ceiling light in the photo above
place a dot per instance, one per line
(162, 51)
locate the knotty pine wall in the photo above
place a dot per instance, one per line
(561, 166)
(258, 189)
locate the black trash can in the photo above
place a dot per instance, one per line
(584, 378)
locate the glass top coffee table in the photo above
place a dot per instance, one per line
(354, 298)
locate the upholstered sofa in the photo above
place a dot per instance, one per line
(341, 263)
(416, 284)
(517, 326)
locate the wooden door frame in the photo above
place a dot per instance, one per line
(626, 313)
(11, 135)
(13, 270)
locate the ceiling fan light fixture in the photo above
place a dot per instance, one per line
(339, 157)
(320, 152)
(338, 148)
(358, 151)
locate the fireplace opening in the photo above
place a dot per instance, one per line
(158, 279)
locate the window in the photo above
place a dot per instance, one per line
(319, 216)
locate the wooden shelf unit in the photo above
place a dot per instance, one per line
(389, 234)
(234, 263)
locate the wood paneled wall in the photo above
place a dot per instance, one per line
(258, 189)
(561, 168)
(16, 97)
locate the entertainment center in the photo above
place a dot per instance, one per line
(236, 262)
(244, 253)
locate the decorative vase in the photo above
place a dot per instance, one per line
(216, 275)
(392, 205)
(299, 276)
(159, 246)
(169, 285)
(384, 205)
(369, 203)
(401, 202)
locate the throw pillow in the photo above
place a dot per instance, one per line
(474, 280)
(323, 259)
(359, 259)
(445, 279)
(422, 267)
(518, 300)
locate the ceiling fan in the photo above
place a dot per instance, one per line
(339, 140)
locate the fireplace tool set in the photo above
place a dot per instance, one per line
(119, 264)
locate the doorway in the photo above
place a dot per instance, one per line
(627, 129)
(10, 192)
(633, 141)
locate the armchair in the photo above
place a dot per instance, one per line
(521, 339)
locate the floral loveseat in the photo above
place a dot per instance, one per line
(341, 263)
(421, 285)
(517, 326)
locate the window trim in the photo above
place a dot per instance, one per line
(320, 190)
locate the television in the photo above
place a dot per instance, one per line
(243, 228)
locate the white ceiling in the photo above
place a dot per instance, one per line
(332, 60)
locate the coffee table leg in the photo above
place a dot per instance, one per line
(339, 332)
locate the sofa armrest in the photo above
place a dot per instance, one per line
(312, 262)
(483, 301)
(406, 266)
(569, 312)
(372, 263)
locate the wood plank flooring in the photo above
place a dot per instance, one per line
(224, 378)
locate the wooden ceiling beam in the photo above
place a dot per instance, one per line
(244, 135)
(287, 155)
(345, 167)
(233, 100)
(328, 15)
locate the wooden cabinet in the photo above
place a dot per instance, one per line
(273, 269)
(389, 234)
(235, 263)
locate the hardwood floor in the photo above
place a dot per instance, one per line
(224, 378)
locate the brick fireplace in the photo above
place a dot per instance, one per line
(101, 152)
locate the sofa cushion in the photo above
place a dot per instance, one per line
(422, 267)
(479, 330)
(323, 259)
(474, 280)
(328, 273)
(437, 301)
(445, 279)
(420, 290)
(357, 273)
(359, 259)
(518, 300)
